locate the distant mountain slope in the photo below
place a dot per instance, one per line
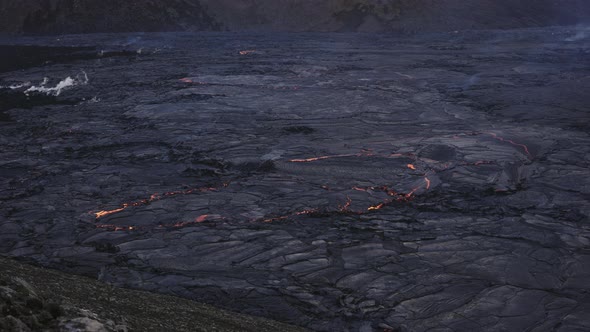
(79, 16)
(83, 16)
(397, 15)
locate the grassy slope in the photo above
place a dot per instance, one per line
(141, 311)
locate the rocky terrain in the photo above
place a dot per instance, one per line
(399, 16)
(339, 182)
(37, 299)
(84, 16)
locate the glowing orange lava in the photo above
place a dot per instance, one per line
(153, 198)
(101, 214)
(298, 213)
(308, 160)
(346, 206)
(197, 220)
(376, 207)
(116, 228)
(306, 212)
(502, 139)
(362, 153)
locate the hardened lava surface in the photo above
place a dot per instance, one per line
(335, 181)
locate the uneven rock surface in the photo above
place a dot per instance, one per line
(401, 16)
(37, 299)
(337, 182)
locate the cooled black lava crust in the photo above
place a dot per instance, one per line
(333, 181)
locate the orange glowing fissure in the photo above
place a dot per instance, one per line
(116, 228)
(308, 160)
(400, 197)
(363, 153)
(343, 208)
(427, 180)
(346, 207)
(198, 220)
(298, 213)
(502, 139)
(153, 198)
(376, 207)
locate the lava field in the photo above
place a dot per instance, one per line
(339, 182)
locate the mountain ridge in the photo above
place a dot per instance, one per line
(403, 16)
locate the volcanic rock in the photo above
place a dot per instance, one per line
(84, 16)
(444, 185)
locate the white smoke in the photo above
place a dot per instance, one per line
(582, 33)
(94, 100)
(16, 86)
(68, 82)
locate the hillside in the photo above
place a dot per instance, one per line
(406, 16)
(37, 299)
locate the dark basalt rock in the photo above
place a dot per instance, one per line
(10, 99)
(5, 117)
(333, 181)
(255, 167)
(438, 152)
(299, 130)
(15, 57)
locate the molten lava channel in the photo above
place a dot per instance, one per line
(345, 208)
(152, 198)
